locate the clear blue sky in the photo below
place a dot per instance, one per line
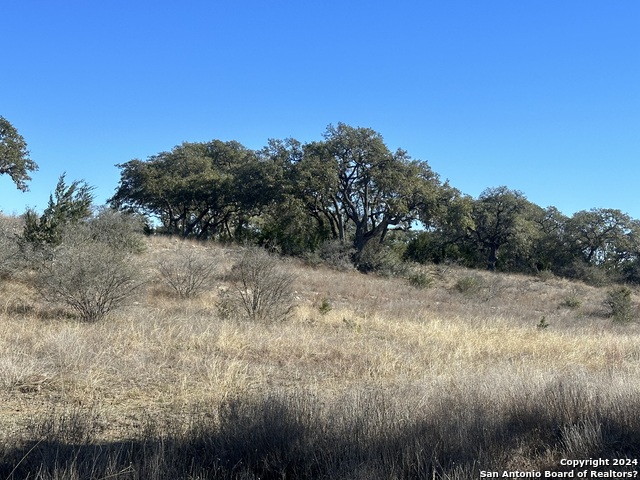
(540, 96)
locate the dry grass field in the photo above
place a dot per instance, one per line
(369, 378)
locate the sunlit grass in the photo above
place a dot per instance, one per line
(421, 353)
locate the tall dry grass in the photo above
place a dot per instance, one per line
(385, 381)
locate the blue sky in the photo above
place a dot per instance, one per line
(540, 96)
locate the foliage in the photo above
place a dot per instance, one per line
(619, 305)
(379, 258)
(548, 251)
(342, 199)
(603, 237)
(261, 289)
(572, 301)
(325, 306)
(68, 205)
(189, 271)
(9, 247)
(543, 324)
(90, 276)
(497, 218)
(287, 226)
(196, 189)
(14, 156)
(470, 285)
(446, 237)
(353, 182)
(337, 254)
(119, 230)
(591, 274)
(420, 279)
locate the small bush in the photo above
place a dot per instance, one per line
(337, 254)
(325, 307)
(619, 305)
(420, 280)
(469, 285)
(261, 290)
(572, 302)
(88, 276)
(121, 231)
(379, 258)
(546, 275)
(543, 324)
(9, 248)
(189, 272)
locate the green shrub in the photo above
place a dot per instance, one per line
(379, 258)
(619, 305)
(420, 280)
(325, 307)
(543, 324)
(469, 285)
(337, 254)
(68, 205)
(572, 302)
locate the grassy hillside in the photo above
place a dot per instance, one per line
(370, 378)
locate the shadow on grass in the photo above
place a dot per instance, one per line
(359, 436)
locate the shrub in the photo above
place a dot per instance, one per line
(189, 272)
(9, 248)
(469, 285)
(545, 275)
(325, 307)
(88, 276)
(261, 290)
(379, 258)
(618, 302)
(121, 231)
(590, 274)
(420, 280)
(68, 205)
(542, 324)
(337, 254)
(572, 301)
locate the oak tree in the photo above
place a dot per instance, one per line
(14, 156)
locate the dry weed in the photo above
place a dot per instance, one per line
(402, 349)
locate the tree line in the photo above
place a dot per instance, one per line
(350, 188)
(350, 192)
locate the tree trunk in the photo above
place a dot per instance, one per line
(493, 257)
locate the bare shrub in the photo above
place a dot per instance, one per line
(90, 277)
(261, 289)
(121, 231)
(9, 248)
(189, 272)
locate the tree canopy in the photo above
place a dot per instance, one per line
(353, 183)
(349, 192)
(14, 156)
(193, 190)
